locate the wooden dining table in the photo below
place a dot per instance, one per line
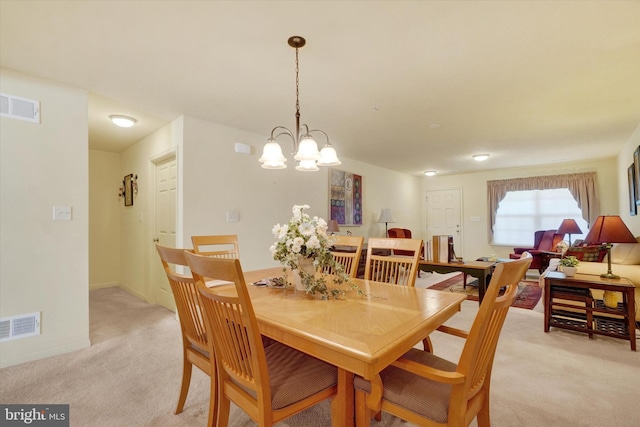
(358, 334)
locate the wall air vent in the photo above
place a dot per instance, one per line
(22, 326)
(19, 108)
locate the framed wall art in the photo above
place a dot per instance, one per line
(631, 178)
(636, 175)
(345, 197)
(128, 190)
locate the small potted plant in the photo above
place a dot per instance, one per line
(569, 264)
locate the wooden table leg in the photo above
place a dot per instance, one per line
(342, 405)
(631, 314)
(547, 305)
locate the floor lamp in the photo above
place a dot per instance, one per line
(386, 217)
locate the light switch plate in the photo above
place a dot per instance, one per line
(62, 213)
(233, 216)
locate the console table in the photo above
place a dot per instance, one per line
(594, 317)
(479, 269)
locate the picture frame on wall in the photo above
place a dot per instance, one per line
(345, 197)
(631, 178)
(128, 190)
(636, 178)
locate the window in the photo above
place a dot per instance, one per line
(581, 186)
(521, 213)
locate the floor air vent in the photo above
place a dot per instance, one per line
(14, 327)
(19, 108)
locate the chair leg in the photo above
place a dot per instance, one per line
(222, 418)
(483, 415)
(427, 345)
(363, 414)
(213, 402)
(187, 367)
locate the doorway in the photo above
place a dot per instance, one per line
(164, 232)
(443, 216)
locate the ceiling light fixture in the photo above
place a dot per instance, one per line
(480, 157)
(304, 146)
(123, 121)
(429, 173)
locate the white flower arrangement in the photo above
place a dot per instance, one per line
(303, 237)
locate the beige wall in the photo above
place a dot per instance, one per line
(104, 219)
(213, 179)
(474, 196)
(44, 263)
(137, 249)
(217, 180)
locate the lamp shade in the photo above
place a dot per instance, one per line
(569, 226)
(610, 229)
(333, 226)
(386, 216)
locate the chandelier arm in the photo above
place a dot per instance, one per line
(287, 132)
(322, 132)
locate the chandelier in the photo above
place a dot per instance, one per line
(304, 146)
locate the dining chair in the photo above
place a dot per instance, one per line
(221, 246)
(195, 346)
(269, 383)
(391, 268)
(427, 390)
(349, 259)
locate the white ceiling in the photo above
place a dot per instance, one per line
(530, 82)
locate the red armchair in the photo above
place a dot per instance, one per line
(403, 233)
(544, 248)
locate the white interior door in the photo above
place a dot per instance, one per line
(443, 216)
(165, 224)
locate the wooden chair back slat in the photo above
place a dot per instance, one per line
(391, 268)
(349, 260)
(227, 246)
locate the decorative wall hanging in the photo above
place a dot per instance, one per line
(128, 188)
(345, 197)
(631, 179)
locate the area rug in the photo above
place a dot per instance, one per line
(529, 292)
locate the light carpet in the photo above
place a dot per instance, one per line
(130, 376)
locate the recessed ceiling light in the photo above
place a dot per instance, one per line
(480, 157)
(434, 126)
(123, 121)
(429, 173)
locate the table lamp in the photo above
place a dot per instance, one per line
(569, 226)
(333, 227)
(609, 229)
(386, 217)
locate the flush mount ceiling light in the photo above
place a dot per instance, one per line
(429, 173)
(123, 121)
(304, 146)
(480, 157)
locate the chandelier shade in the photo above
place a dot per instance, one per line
(304, 146)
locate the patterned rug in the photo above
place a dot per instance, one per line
(529, 292)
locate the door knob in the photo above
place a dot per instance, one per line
(156, 240)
